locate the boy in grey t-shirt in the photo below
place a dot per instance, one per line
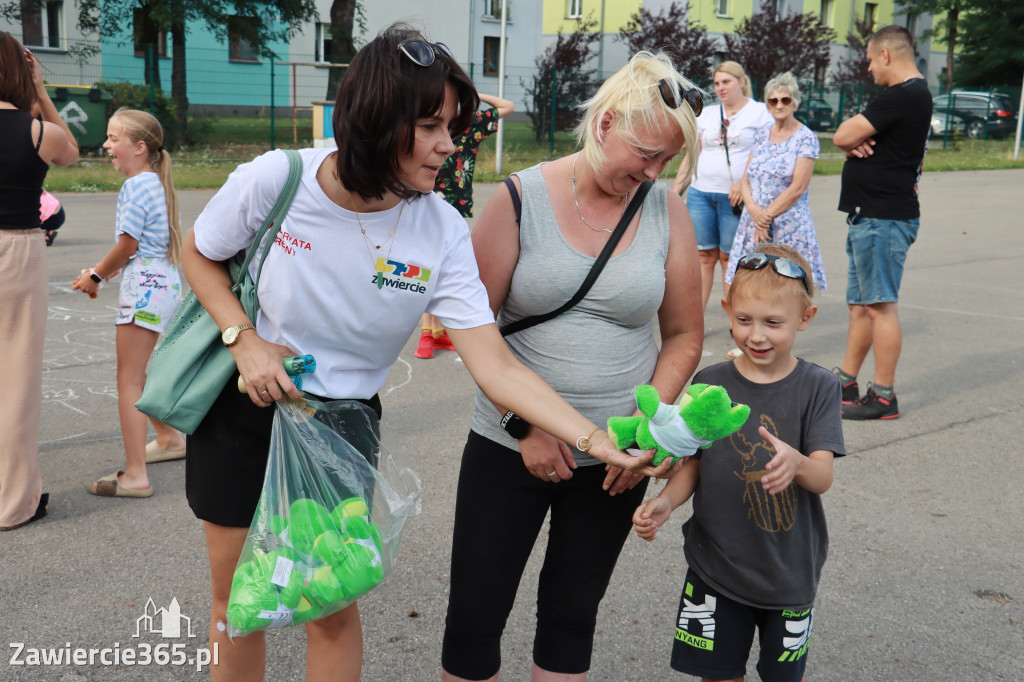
(757, 539)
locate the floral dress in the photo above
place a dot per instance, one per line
(771, 172)
(455, 180)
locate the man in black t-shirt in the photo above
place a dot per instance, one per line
(885, 147)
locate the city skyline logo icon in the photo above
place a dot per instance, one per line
(164, 622)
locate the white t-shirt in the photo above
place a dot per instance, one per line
(318, 291)
(713, 173)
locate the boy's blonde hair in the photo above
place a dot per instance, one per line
(140, 126)
(752, 282)
(633, 97)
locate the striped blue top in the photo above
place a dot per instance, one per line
(142, 213)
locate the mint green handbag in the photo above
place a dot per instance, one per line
(191, 365)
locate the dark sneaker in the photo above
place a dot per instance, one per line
(872, 406)
(851, 390)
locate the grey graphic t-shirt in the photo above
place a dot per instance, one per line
(759, 549)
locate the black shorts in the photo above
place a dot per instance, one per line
(226, 457)
(713, 635)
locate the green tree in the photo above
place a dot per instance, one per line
(991, 49)
(346, 16)
(260, 23)
(945, 27)
(670, 30)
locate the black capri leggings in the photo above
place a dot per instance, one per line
(499, 511)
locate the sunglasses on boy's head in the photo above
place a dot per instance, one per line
(670, 94)
(781, 265)
(422, 53)
(785, 101)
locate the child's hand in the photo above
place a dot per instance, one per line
(783, 467)
(649, 516)
(85, 284)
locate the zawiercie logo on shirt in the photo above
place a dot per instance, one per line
(398, 275)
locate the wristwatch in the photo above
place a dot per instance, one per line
(94, 277)
(230, 334)
(516, 426)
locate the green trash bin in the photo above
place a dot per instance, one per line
(84, 109)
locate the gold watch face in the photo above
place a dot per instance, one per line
(229, 335)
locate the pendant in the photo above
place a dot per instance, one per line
(380, 279)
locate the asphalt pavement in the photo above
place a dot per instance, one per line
(925, 576)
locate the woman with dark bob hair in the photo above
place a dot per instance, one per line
(27, 148)
(329, 288)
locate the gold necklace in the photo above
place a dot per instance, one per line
(368, 243)
(572, 179)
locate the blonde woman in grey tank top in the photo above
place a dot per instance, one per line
(514, 474)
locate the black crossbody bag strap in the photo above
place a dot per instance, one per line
(602, 259)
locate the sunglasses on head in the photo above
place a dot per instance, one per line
(670, 94)
(781, 265)
(422, 53)
(785, 101)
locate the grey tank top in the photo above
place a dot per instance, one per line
(595, 353)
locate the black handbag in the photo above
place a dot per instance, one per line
(602, 258)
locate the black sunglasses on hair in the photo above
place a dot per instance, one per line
(422, 53)
(781, 265)
(670, 94)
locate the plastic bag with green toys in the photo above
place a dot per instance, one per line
(328, 524)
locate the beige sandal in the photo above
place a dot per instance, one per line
(155, 453)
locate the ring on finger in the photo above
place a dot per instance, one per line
(553, 473)
(264, 392)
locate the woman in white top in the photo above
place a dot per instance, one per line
(715, 199)
(366, 248)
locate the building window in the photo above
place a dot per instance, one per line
(492, 9)
(146, 35)
(871, 13)
(240, 49)
(826, 12)
(574, 9)
(722, 8)
(322, 48)
(492, 55)
(41, 23)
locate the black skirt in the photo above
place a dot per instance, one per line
(226, 457)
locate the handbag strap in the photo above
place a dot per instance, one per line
(272, 223)
(517, 203)
(602, 259)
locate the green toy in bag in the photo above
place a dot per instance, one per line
(328, 524)
(321, 567)
(704, 415)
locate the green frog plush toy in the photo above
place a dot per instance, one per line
(705, 414)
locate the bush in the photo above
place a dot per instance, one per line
(138, 97)
(562, 77)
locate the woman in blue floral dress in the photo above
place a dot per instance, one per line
(776, 208)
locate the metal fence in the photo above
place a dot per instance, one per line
(239, 84)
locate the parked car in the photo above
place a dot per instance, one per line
(819, 115)
(976, 114)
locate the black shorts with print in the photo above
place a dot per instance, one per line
(713, 636)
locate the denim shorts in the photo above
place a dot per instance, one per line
(714, 223)
(877, 249)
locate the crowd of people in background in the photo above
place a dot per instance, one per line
(537, 448)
